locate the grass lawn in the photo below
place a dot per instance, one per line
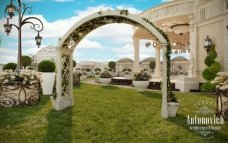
(105, 115)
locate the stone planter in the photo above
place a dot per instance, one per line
(172, 108)
(140, 85)
(105, 81)
(48, 82)
(14, 95)
(222, 104)
(97, 78)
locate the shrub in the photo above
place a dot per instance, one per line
(46, 66)
(26, 61)
(112, 64)
(208, 87)
(10, 66)
(210, 72)
(87, 69)
(152, 65)
(129, 70)
(74, 63)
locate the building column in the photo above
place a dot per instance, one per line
(136, 55)
(158, 63)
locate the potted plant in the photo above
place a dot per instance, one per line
(105, 78)
(83, 75)
(19, 89)
(47, 68)
(141, 80)
(173, 104)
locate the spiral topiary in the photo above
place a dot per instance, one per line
(210, 72)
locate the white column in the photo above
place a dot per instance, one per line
(193, 47)
(58, 101)
(158, 63)
(164, 110)
(136, 55)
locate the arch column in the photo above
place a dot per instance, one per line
(158, 62)
(136, 54)
(164, 110)
(64, 94)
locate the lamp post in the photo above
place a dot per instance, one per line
(38, 27)
(207, 44)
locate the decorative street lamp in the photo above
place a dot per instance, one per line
(9, 13)
(207, 44)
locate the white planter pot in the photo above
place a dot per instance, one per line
(105, 81)
(172, 108)
(141, 85)
(48, 82)
(97, 78)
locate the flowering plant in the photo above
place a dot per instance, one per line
(141, 76)
(26, 77)
(221, 81)
(105, 74)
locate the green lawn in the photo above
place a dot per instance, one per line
(104, 115)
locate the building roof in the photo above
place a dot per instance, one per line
(179, 58)
(147, 60)
(125, 60)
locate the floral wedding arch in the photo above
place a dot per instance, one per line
(67, 44)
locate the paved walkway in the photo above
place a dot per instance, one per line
(92, 81)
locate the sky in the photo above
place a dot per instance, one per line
(109, 42)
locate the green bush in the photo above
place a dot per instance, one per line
(152, 65)
(74, 63)
(26, 61)
(112, 64)
(210, 72)
(87, 69)
(208, 87)
(10, 66)
(46, 66)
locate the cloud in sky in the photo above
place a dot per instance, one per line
(114, 33)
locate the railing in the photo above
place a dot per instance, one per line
(17, 94)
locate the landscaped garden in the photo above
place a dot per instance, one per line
(105, 114)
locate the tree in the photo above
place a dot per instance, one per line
(10, 66)
(210, 72)
(26, 61)
(74, 63)
(112, 65)
(152, 65)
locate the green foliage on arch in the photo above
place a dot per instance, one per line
(171, 96)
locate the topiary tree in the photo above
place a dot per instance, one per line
(74, 63)
(10, 66)
(210, 72)
(112, 65)
(46, 66)
(26, 61)
(152, 65)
